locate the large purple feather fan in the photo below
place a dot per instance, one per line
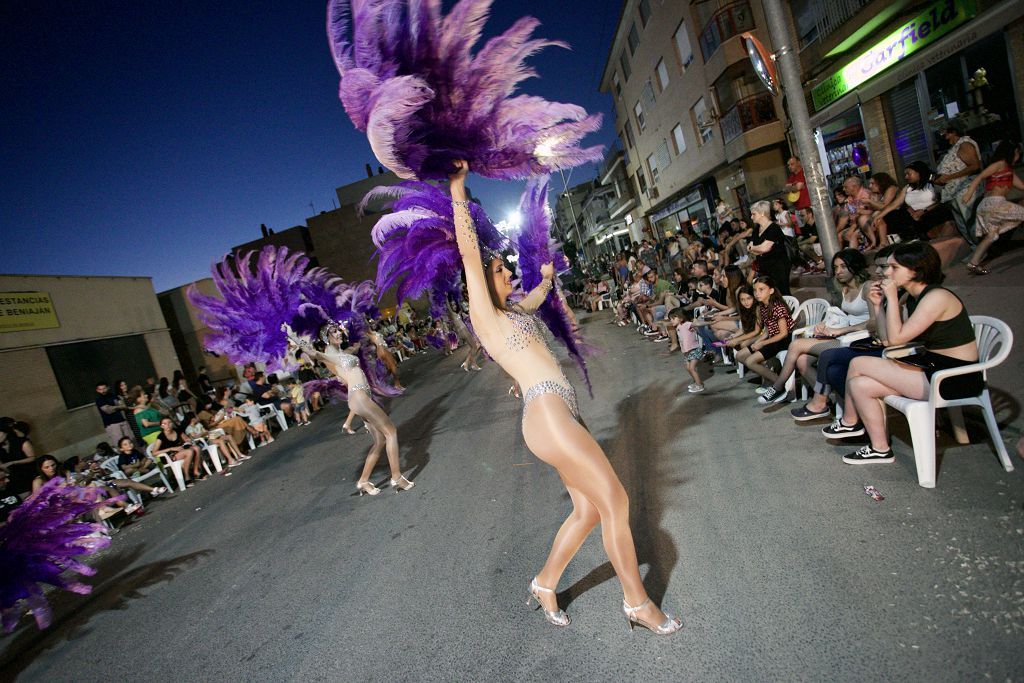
(331, 390)
(410, 80)
(416, 246)
(39, 544)
(257, 297)
(535, 248)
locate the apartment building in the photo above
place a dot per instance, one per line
(694, 119)
(884, 77)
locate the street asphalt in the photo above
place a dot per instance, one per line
(747, 525)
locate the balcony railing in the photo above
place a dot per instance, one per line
(749, 113)
(831, 14)
(731, 20)
(611, 157)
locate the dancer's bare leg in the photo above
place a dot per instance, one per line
(348, 421)
(373, 456)
(555, 437)
(574, 530)
(378, 420)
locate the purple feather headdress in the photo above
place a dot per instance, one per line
(410, 80)
(279, 288)
(38, 545)
(535, 247)
(416, 244)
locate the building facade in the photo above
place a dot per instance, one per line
(60, 335)
(188, 332)
(694, 119)
(883, 79)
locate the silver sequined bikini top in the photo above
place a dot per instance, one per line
(525, 330)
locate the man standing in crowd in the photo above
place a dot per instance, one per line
(796, 185)
(959, 165)
(112, 412)
(648, 255)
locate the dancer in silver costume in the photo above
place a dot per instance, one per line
(345, 366)
(551, 425)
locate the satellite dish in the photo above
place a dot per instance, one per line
(763, 62)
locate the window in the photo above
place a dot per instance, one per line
(645, 12)
(662, 75)
(664, 159)
(617, 84)
(647, 96)
(624, 63)
(629, 134)
(77, 366)
(702, 122)
(652, 167)
(639, 111)
(683, 50)
(633, 39)
(641, 181)
(677, 139)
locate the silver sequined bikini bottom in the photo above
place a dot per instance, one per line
(362, 386)
(566, 393)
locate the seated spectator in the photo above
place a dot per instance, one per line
(185, 396)
(203, 382)
(723, 212)
(853, 281)
(957, 168)
(229, 420)
(147, 418)
(915, 210)
(164, 400)
(681, 321)
(17, 455)
(883, 191)
(774, 325)
(266, 394)
(219, 438)
(9, 500)
(938, 321)
(996, 214)
(257, 426)
(51, 468)
(102, 453)
(170, 442)
(747, 313)
(130, 460)
(784, 218)
(839, 201)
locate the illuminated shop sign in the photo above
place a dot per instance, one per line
(933, 23)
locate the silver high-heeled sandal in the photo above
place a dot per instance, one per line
(367, 487)
(555, 617)
(670, 625)
(399, 486)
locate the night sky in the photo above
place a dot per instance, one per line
(147, 138)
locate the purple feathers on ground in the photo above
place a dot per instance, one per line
(38, 545)
(535, 248)
(416, 244)
(410, 80)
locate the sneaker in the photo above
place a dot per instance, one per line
(134, 507)
(651, 333)
(762, 390)
(235, 463)
(660, 338)
(695, 388)
(158, 491)
(803, 414)
(867, 455)
(838, 430)
(773, 395)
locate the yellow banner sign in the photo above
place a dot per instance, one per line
(21, 311)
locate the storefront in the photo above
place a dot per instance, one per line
(889, 106)
(691, 206)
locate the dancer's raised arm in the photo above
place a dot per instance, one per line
(304, 344)
(532, 301)
(481, 308)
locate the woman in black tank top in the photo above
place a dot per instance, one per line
(170, 442)
(937, 320)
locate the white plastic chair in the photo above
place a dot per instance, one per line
(110, 465)
(995, 338)
(271, 411)
(214, 453)
(177, 469)
(813, 312)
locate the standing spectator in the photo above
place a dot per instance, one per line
(956, 170)
(691, 344)
(203, 382)
(17, 456)
(796, 185)
(112, 412)
(996, 214)
(150, 387)
(768, 244)
(298, 396)
(146, 417)
(648, 255)
(723, 213)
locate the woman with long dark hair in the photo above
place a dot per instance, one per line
(551, 424)
(915, 210)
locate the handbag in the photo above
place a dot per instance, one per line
(836, 318)
(792, 250)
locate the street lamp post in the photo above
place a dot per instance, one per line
(792, 85)
(572, 212)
